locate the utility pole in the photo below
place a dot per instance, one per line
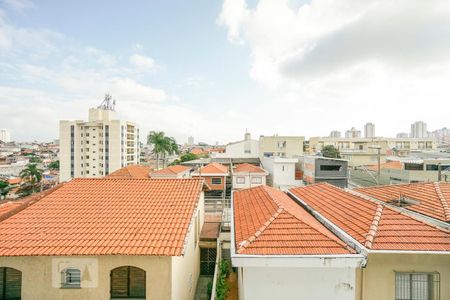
(378, 148)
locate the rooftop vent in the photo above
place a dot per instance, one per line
(403, 201)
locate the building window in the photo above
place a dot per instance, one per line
(10, 283)
(71, 278)
(216, 180)
(330, 168)
(416, 286)
(240, 180)
(128, 283)
(257, 180)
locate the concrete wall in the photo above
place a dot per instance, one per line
(39, 280)
(377, 280)
(297, 283)
(271, 146)
(248, 180)
(241, 149)
(186, 268)
(281, 171)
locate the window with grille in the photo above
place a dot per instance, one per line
(71, 278)
(128, 283)
(416, 286)
(207, 261)
(216, 180)
(257, 180)
(10, 284)
(240, 180)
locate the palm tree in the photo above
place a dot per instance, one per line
(32, 175)
(172, 148)
(159, 142)
(4, 189)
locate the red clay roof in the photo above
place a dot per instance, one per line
(131, 171)
(198, 151)
(268, 222)
(374, 225)
(172, 170)
(6, 207)
(214, 168)
(433, 198)
(105, 217)
(16, 180)
(248, 168)
(391, 165)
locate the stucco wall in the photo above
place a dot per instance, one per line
(377, 280)
(297, 283)
(186, 269)
(38, 278)
(248, 179)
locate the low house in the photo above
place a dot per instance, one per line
(407, 257)
(177, 171)
(215, 176)
(248, 175)
(323, 169)
(283, 252)
(283, 172)
(105, 238)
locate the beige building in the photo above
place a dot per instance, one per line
(97, 147)
(95, 239)
(281, 146)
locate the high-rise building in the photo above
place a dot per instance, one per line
(190, 140)
(5, 136)
(99, 146)
(335, 134)
(419, 130)
(353, 133)
(369, 130)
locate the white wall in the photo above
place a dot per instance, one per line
(248, 180)
(297, 283)
(281, 170)
(237, 150)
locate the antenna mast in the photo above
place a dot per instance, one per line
(108, 103)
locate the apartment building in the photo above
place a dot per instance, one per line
(369, 130)
(281, 146)
(419, 130)
(97, 147)
(353, 133)
(5, 136)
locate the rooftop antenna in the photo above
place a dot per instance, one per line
(108, 103)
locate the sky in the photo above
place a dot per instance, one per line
(214, 69)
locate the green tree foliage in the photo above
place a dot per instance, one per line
(54, 165)
(32, 176)
(162, 145)
(4, 189)
(35, 159)
(330, 151)
(222, 286)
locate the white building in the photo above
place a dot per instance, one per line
(335, 134)
(246, 148)
(402, 135)
(99, 146)
(419, 130)
(247, 176)
(282, 171)
(369, 130)
(353, 133)
(190, 141)
(5, 135)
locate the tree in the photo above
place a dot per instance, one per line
(35, 159)
(4, 189)
(31, 175)
(54, 165)
(184, 157)
(162, 145)
(171, 149)
(330, 151)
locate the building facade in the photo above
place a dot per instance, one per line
(5, 137)
(353, 133)
(335, 134)
(97, 147)
(281, 146)
(369, 130)
(419, 130)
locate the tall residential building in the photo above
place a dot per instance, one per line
(99, 146)
(190, 140)
(369, 130)
(353, 133)
(5, 136)
(335, 134)
(419, 130)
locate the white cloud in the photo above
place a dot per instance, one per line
(348, 60)
(142, 62)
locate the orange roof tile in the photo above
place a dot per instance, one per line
(433, 198)
(6, 207)
(268, 222)
(15, 180)
(214, 168)
(198, 151)
(391, 165)
(248, 168)
(131, 171)
(172, 170)
(105, 217)
(373, 225)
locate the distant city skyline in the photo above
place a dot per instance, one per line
(273, 67)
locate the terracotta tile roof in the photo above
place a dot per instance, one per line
(391, 165)
(433, 198)
(214, 168)
(172, 170)
(373, 225)
(248, 168)
(198, 151)
(16, 180)
(6, 207)
(105, 217)
(131, 171)
(267, 221)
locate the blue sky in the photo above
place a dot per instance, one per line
(213, 69)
